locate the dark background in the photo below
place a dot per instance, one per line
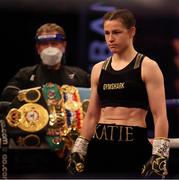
(157, 28)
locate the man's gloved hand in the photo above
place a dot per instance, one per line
(76, 161)
(157, 165)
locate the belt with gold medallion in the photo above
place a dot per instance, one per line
(65, 116)
(28, 117)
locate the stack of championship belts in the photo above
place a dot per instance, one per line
(51, 115)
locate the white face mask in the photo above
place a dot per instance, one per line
(51, 56)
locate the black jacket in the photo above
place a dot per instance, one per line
(38, 75)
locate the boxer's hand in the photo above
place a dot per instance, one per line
(76, 161)
(157, 165)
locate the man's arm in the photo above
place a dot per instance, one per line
(11, 89)
(18, 82)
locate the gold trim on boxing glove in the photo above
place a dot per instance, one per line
(35, 117)
(79, 167)
(29, 95)
(159, 166)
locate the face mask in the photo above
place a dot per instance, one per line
(51, 56)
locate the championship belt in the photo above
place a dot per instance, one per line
(65, 116)
(28, 117)
(53, 98)
(51, 113)
(73, 106)
(57, 130)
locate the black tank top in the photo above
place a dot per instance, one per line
(123, 88)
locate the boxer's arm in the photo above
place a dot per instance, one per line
(154, 81)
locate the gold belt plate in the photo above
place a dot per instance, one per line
(35, 117)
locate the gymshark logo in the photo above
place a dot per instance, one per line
(71, 76)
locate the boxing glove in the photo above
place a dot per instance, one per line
(76, 161)
(157, 165)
